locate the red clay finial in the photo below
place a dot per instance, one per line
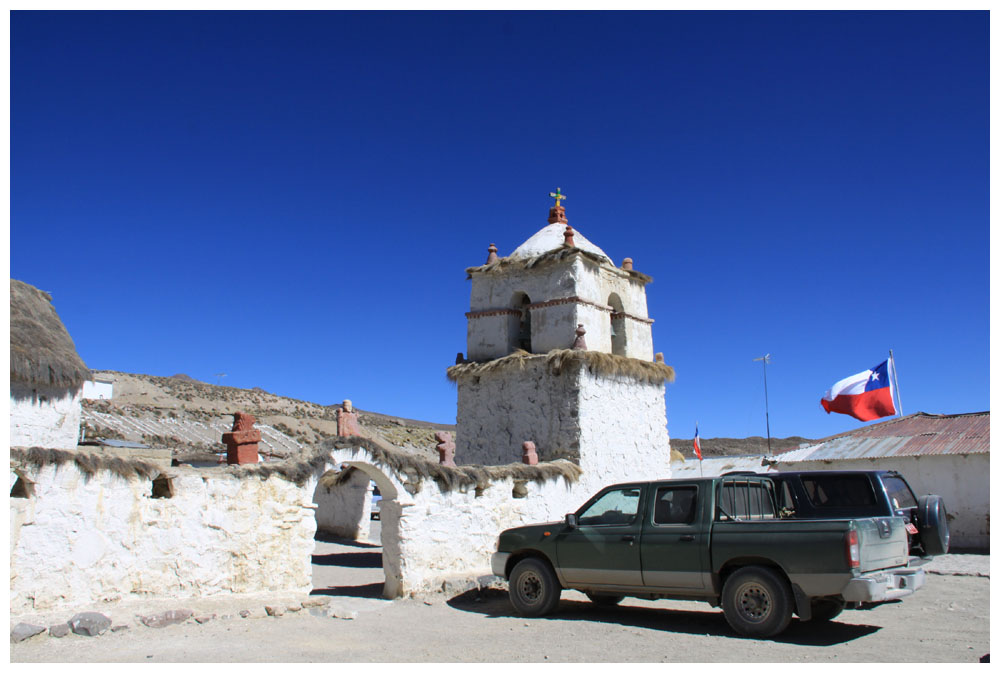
(627, 264)
(445, 449)
(557, 213)
(580, 344)
(528, 454)
(492, 257)
(568, 236)
(241, 443)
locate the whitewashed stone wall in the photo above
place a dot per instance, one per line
(615, 428)
(345, 509)
(493, 336)
(78, 542)
(45, 416)
(431, 536)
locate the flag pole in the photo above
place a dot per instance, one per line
(895, 382)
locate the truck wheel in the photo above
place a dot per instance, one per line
(824, 610)
(534, 589)
(607, 600)
(757, 602)
(933, 519)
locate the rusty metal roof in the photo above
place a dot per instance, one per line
(918, 434)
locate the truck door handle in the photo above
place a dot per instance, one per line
(687, 538)
(628, 538)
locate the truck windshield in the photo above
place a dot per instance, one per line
(839, 490)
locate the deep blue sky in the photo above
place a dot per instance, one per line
(292, 198)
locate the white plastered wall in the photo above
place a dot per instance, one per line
(345, 509)
(79, 541)
(45, 416)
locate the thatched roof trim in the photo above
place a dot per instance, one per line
(450, 478)
(552, 256)
(602, 364)
(89, 464)
(41, 350)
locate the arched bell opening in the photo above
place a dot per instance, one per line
(619, 339)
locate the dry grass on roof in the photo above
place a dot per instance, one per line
(552, 256)
(41, 350)
(451, 478)
(601, 364)
(89, 464)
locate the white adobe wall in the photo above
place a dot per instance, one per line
(98, 390)
(79, 542)
(962, 480)
(345, 509)
(45, 416)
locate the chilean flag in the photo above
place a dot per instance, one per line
(866, 396)
(697, 442)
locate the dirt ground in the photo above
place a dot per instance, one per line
(947, 621)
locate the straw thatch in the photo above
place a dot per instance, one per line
(602, 364)
(450, 478)
(41, 350)
(89, 464)
(559, 254)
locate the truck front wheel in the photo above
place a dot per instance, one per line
(534, 589)
(757, 602)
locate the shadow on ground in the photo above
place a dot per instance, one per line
(496, 604)
(373, 590)
(328, 537)
(368, 559)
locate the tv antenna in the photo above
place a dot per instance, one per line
(218, 378)
(767, 413)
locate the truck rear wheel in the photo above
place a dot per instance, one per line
(534, 589)
(757, 602)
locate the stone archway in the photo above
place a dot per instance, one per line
(346, 555)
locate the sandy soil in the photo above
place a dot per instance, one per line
(947, 621)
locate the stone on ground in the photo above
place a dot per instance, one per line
(89, 623)
(23, 631)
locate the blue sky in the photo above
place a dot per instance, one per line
(292, 198)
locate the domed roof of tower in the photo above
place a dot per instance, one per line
(552, 238)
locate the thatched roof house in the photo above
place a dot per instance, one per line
(41, 350)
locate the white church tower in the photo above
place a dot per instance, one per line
(560, 353)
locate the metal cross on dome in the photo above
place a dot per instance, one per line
(558, 196)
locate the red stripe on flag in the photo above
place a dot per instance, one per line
(865, 407)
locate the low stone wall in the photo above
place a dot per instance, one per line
(107, 533)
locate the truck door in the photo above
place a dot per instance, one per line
(674, 541)
(604, 548)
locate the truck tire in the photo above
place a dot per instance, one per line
(757, 602)
(606, 600)
(826, 609)
(534, 589)
(933, 520)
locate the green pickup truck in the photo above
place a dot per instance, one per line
(721, 540)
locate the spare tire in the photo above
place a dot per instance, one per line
(933, 525)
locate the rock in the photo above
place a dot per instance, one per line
(341, 613)
(274, 610)
(23, 631)
(315, 601)
(294, 607)
(89, 623)
(59, 630)
(166, 618)
(201, 619)
(119, 628)
(244, 613)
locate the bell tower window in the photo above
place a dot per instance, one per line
(618, 337)
(521, 302)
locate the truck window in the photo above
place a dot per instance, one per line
(839, 490)
(899, 492)
(745, 500)
(617, 507)
(675, 504)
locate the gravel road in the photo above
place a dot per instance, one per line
(947, 621)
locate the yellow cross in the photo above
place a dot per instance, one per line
(557, 195)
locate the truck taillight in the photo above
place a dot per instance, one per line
(853, 549)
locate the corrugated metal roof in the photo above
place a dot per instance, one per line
(918, 434)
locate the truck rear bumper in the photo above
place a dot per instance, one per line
(498, 563)
(884, 585)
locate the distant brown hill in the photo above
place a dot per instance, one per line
(189, 417)
(728, 446)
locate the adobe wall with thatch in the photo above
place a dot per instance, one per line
(440, 524)
(44, 415)
(605, 413)
(567, 287)
(86, 530)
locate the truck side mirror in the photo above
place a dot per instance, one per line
(571, 521)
